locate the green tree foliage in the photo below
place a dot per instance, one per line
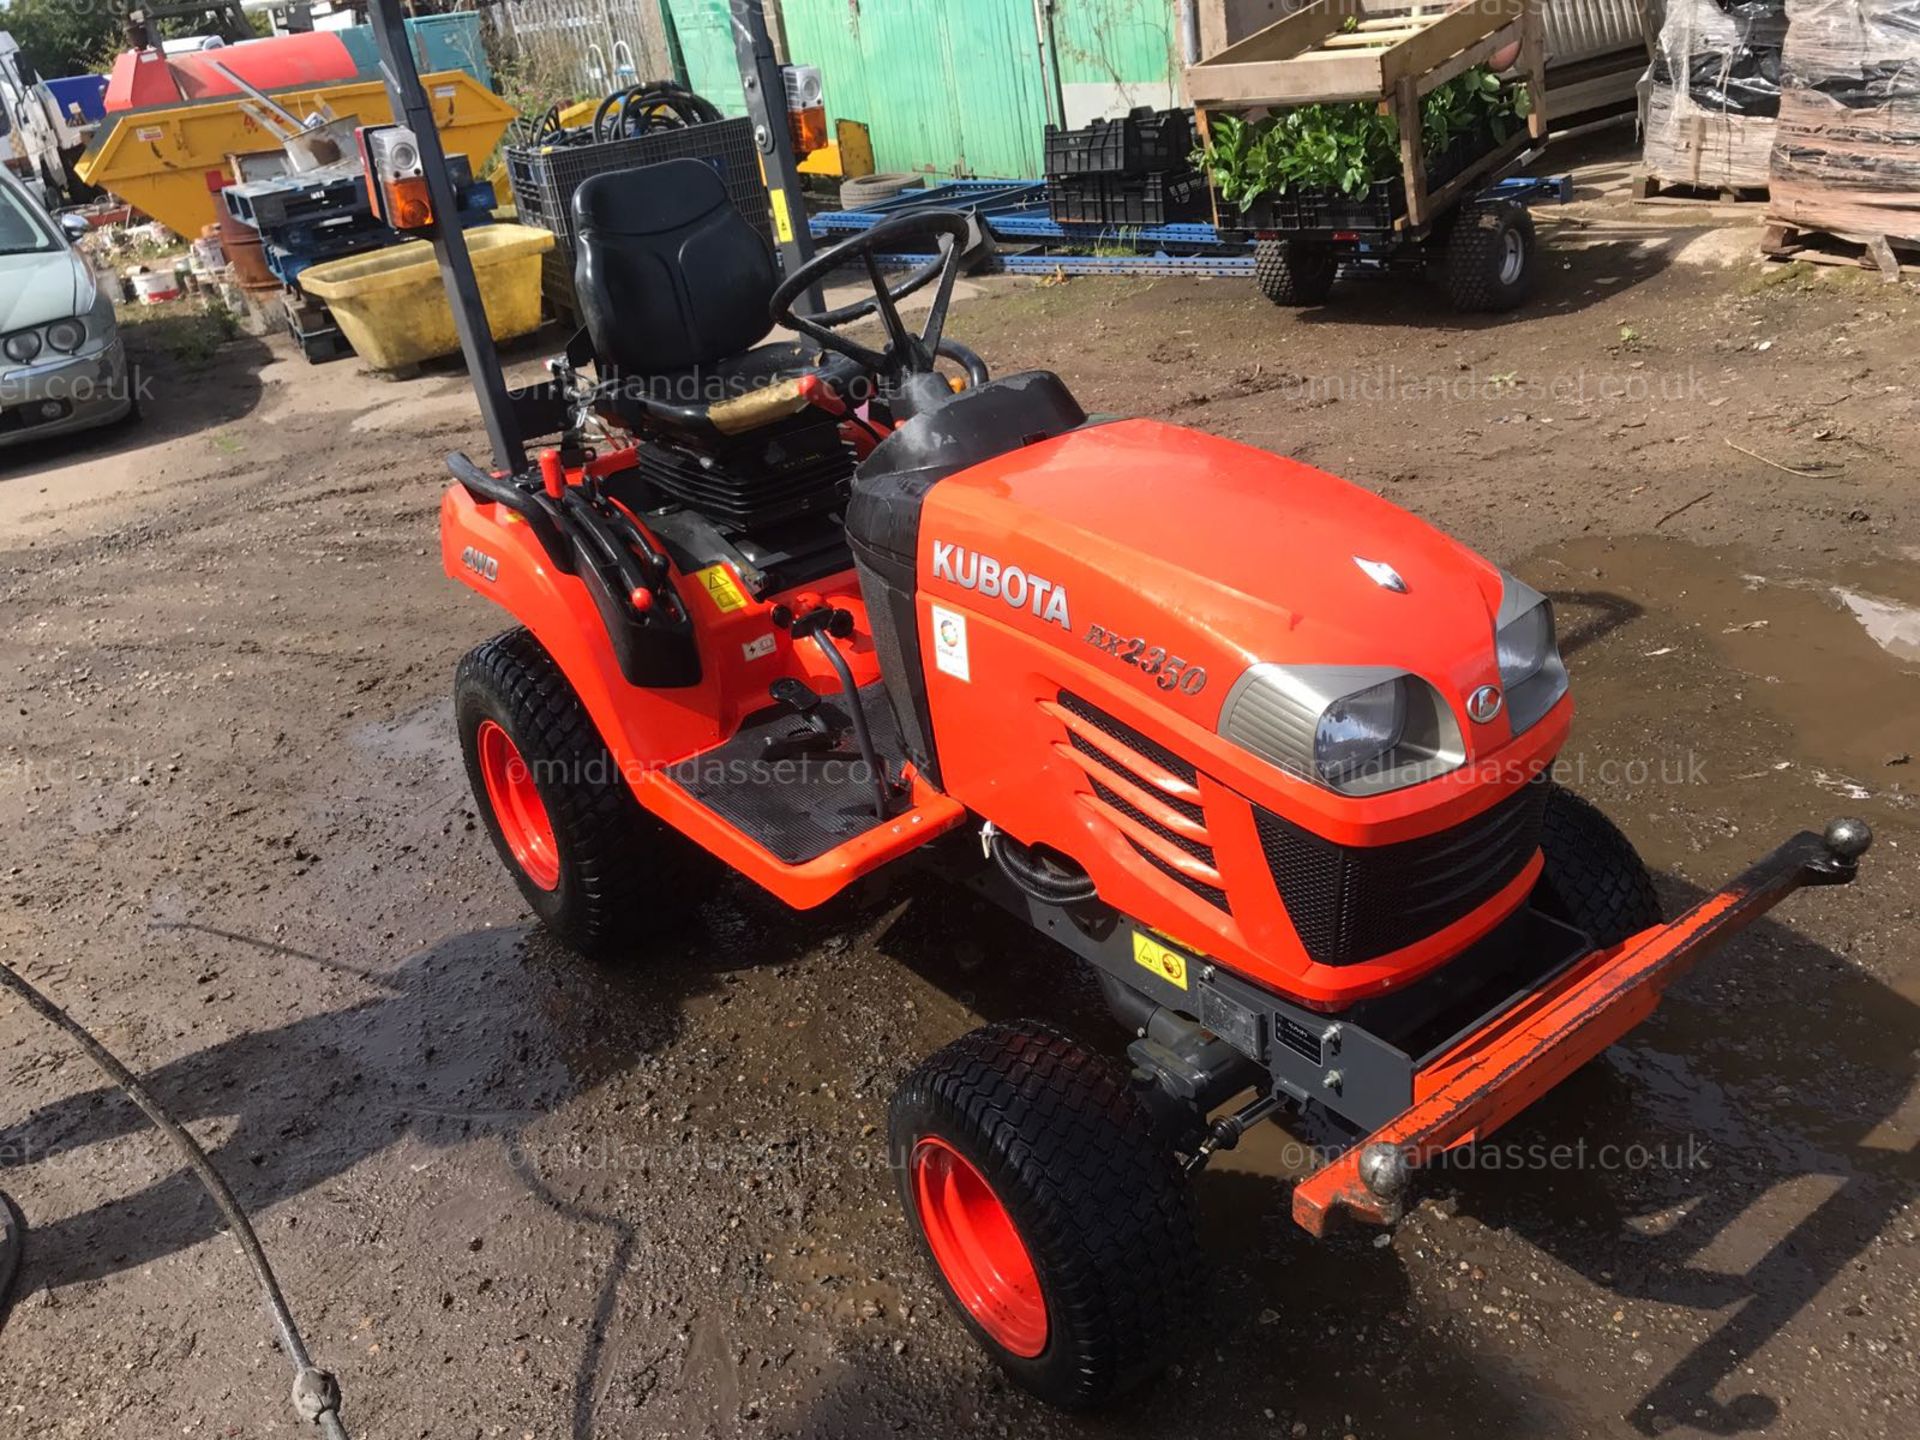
(65, 37)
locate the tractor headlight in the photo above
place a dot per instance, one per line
(1358, 729)
(1528, 653)
(23, 347)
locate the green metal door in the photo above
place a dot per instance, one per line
(954, 87)
(1114, 55)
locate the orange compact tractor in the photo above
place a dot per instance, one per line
(1267, 753)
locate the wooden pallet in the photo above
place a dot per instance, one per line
(1785, 241)
(1387, 51)
(1652, 189)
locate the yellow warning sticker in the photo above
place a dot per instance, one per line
(722, 588)
(782, 219)
(1170, 965)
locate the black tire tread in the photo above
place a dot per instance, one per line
(1294, 272)
(620, 867)
(1103, 1208)
(1594, 879)
(1473, 251)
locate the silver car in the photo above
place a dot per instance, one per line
(62, 364)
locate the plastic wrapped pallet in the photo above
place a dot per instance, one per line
(1847, 158)
(1715, 93)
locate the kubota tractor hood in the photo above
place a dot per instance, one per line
(1225, 555)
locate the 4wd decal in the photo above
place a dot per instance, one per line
(971, 570)
(1169, 672)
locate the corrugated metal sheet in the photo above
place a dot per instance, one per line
(1585, 29)
(1114, 55)
(955, 87)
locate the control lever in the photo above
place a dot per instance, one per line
(823, 623)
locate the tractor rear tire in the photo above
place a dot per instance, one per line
(1295, 272)
(1594, 879)
(1076, 1259)
(1490, 253)
(598, 871)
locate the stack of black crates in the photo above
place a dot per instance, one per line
(1136, 170)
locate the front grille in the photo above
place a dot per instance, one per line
(1352, 904)
(1128, 756)
(1128, 737)
(1212, 894)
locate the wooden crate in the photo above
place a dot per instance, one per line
(1387, 51)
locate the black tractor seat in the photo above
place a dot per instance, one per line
(675, 285)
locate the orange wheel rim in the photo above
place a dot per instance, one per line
(517, 807)
(977, 1247)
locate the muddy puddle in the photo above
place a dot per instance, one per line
(1717, 665)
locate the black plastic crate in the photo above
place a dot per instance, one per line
(1145, 140)
(1156, 198)
(1078, 199)
(544, 179)
(1166, 138)
(1382, 207)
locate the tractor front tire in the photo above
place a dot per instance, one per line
(1594, 879)
(1295, 272)
(1062, 1232)
(1490, 252)
(598, 871)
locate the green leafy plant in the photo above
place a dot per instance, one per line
(1350, 147)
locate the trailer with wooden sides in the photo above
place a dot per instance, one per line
(1440, 210)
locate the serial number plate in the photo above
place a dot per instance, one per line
(1169, 672)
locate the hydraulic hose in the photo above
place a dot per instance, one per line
(1049, 884)
(316, 1394)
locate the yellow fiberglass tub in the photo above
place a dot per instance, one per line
(393, 310)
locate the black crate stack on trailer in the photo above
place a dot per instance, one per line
(1136, 170)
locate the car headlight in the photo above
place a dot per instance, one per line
(1528, 653)
(66, 336)
(1358, 729)
(22, 347)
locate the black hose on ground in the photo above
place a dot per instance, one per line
(316, 1394)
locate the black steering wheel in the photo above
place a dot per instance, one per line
(906, 354)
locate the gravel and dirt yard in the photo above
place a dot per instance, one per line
(515, 1196)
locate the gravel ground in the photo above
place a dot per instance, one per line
(513, 1195)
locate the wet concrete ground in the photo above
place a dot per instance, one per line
(512, 1195)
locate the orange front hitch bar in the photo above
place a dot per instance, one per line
(1494, 1074)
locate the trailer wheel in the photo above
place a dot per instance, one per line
(598, 871)
(1490, 255)
(1295, 272)
(1594, 879)
(1063, 1234)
